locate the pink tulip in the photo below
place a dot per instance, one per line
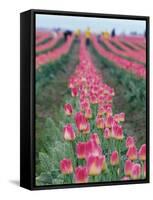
(66, 166)
(136, 171)
(85, 106)
(109, 122)
(116, 118)
(101, 111)
(107, 133)
(119, 117)
(81, 150)
(74, 92)
(95, 137)
(93, 149)
(88, 113)
(87, 130)
(100, 123)
(122, 117)
(130, 141)
(117, 132)
(93, 99)
(81, 122)
(71, 83)
(109, 112)
(94, 165)
(132, 153)
(68, 109)
(142, 152)
(81, 174)
(104, 164)
(128, 167)
(69, 133)
(114, 159)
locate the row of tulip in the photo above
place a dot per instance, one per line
(55, 54)
(136, 55)
(101, 150)
(40, 36)
(49, 44)
(136, 49)
(133, 40)
(137, 69)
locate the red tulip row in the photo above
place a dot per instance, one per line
(140, 40)
(40, 36)
(138, 50)
(135, 68)
(49, 44)
(55, 54)
(137, 55)
(95, 132)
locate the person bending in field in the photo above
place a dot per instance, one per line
(67, 33)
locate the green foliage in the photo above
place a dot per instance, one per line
(44, 179)
(50, 149)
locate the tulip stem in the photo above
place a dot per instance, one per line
(93, 179)
(73, 150)
(142, 166)
(68, 178)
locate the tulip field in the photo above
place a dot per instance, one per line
(90, 109)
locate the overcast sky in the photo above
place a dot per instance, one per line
(96, 24)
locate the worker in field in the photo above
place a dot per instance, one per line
(99, 38)
(106, 35)
(77, 35)
(113, 33)
(88, 36)
(67, 33)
